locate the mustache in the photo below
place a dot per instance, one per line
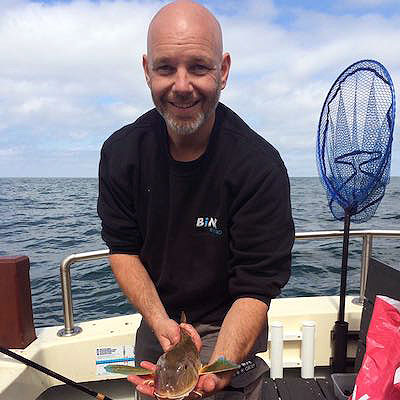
(182, 97)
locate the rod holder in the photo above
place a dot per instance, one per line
(308, 349)
(276, 330)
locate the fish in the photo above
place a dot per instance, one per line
(177, 370)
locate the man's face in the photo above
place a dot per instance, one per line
(185, 74)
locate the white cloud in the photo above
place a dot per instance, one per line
(70, 73)
(33, 105)
(9, 152)
(286, 75)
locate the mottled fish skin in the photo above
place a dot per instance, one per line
(178, 369)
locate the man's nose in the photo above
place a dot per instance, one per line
(182, 82)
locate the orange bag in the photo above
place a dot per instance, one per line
(379, 376)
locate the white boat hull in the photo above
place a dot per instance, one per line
(75, 356)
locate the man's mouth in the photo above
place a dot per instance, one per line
(184, 106)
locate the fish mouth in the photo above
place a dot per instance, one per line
(179, 396)
(169, 396)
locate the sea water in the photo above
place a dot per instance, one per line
(48, 219)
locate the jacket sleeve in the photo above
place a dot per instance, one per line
(262, 235)
(115, 204)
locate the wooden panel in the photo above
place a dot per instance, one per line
(17, 329)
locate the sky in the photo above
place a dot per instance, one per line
(71, 75)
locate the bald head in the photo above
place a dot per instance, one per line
(182, 18)
(185, 68)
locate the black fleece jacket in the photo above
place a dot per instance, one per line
(208, 231)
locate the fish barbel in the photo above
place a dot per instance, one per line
(177, 370)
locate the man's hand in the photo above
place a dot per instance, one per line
(167, 332)
(193, 334)
(210, 384)
(144, 383)
(206, 386)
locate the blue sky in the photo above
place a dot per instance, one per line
(70, 73)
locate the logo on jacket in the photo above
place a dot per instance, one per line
(245, 366)
(208, 224)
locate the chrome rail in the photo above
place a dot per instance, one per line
(366, 235)
(65, 268)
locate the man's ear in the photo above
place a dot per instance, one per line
(225, 67)
(145, 64)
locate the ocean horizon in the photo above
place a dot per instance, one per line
(48, 219)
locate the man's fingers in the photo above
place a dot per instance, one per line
(206, 384)
(209, 384)
(136, 380)
(148, 365)
(174, 335)
(139, 380)
(143, 383)
(168, 333)
(142, 379)
(146, 389)
(167, 344)
(194, 335)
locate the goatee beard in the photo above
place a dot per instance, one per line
(184, 128)
(190, 127)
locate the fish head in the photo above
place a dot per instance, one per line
(175, 378)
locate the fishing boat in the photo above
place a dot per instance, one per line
(300, 341)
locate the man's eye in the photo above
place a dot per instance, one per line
(200, 69)
(164, 69)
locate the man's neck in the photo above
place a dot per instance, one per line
(190, 147)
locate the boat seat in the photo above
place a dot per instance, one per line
(384, 280)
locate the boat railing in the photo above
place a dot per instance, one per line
(367, 237)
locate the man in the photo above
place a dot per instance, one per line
(195, 208)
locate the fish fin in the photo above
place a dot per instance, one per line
(183, 317)
(127, 370)
(221, 365)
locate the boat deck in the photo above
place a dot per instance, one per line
(298, 389)
(290, 388)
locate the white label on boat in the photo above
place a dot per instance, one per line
(123, 355)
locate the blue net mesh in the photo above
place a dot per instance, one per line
(354, 140)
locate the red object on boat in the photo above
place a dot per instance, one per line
(17, 329)
(379, 376)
